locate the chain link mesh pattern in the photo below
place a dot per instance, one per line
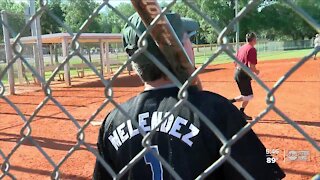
(224, 46)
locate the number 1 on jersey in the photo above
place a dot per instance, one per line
(155, 164)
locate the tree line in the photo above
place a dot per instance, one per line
(275, 22)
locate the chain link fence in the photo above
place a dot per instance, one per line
(224, 46)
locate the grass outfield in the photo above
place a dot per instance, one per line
(262, 56)
(200, 59)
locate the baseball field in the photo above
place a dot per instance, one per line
(52, 129)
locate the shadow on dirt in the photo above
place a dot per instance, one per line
(122, 81)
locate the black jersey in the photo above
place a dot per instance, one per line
(183, 140)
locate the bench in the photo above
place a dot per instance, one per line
(117, 64)
(46, 69)
(113, 64)
(52, 68)
(79, 68)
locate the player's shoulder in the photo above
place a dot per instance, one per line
(207, 102)
(251, 49)
(194, 96)
(124, 107)
(243, 47)
(218, 109)
(210, 95)
(119, 114)
(207, 97)
(246, 47)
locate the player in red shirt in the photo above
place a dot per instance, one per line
(247, 54)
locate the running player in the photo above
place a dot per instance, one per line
(247, 54)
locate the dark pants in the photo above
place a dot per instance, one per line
(244, 82)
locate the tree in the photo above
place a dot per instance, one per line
(48, 24)
(76, 12)
(184, 11)
(275, 22)
(218, 10)
(15, 15)
(111, 22)
(280, 22)
(312, 7)
(105, 25)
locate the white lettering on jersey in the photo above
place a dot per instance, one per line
(156, 119)
(143, 122)
(176, 127)
(123, 135)
(132, 132)
(194, 131)
(114, 139)
(166, 126)
(170, 126)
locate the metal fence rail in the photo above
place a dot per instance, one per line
(224, 46)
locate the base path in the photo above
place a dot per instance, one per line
(298, 98)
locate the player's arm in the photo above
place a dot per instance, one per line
(253, 68)
(252, 57)
(248, 151)
(100, 173)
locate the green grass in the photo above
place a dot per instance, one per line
(262, 56)
(73, 72)
(201, 57)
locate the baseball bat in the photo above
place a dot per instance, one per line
(166, 39)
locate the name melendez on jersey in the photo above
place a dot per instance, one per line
(170, 126)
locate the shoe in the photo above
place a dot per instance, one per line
(232, 100)
(246, 117)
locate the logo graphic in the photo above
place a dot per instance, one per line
(298, 155)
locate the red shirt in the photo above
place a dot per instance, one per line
(247, 53)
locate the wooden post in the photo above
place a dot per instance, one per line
(56, 55)
(40, 51)
(34, 46)
(37, 48)
(20, 73)
(89, 54)
(107, 58)
(51, 53)
(8, 49)
(102, 57)
(65, 53)
(116, 50)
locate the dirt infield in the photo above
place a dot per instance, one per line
(299, 98)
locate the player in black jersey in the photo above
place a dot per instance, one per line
(183, 140)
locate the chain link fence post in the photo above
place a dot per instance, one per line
(8, 50)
